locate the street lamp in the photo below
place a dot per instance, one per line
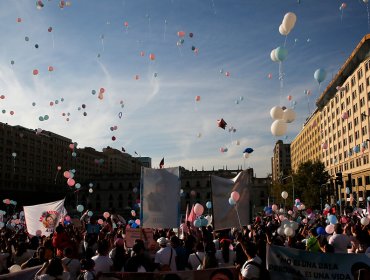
(290, 176)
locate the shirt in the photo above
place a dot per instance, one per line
(250, 271)
(102, 264)
(340, 242)
(163, 257)
(64, 276)
(74, 267)
(194, 261)
(220, 259)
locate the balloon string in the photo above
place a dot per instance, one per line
(286, 37)
(213, 6)
(55, 180)
(368, 16)
(237, 213)
(281, 78)
(165, 29)
(102, 43)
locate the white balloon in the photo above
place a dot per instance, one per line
(365, 221)
(288, 231)
(276, 113)
(279, 128)
(289, 21)
(289, 115)
(284, 195)
(365, 1)
(273, 56)
(294, 225)
(282, 31)
(246, 155)
(280, 231)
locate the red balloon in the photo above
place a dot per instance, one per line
(71, 182)
(113, 138)
(142, 53)
(181, 34)
(102, 90)
(19, 19)
(126, 24)
(12, 113)
(227, 74)
(2, 96)
(197, 98)
(51, 68)
(50, 29)
(66, 174)
(152, 56)
(137, 77)
(35, 72)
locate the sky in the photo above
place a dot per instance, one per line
(130, 49)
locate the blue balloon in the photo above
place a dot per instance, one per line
(319, 75)
(320, 231)
(80, 208)
(197, 223)
(281, 53)
(368, 198)
(231, 201)
(248, 150)
(134, 225)
(332, 219)
(131, 222)
(204, 222)
(209, 205)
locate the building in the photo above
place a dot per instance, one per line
(281, 163)
(338, 131)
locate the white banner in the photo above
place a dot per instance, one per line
(224, 214)
(42, 219)
(160, 197)
(287, 263)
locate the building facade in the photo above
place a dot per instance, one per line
(337, 133)
(281, 162)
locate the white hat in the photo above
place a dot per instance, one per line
(162, 241)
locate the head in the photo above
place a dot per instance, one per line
(68, 252)
(87, 264)
(138, 249)
(55, 267)
(199, 247)
(103, 247)
(175, 241)
(59, 228)
(313, 232)
(251, 250)
(338, 229)
(222, 274)
(162, 242)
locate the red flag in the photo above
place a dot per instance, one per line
(192, 216)
(161, 164)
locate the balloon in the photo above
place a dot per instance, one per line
(345, 115)
(294, 225)
(80, 208)
(248, 150)
(290, 212)
(106, 215)
(66, 174)
(235, 196)
(273, 56)
(274, 207)
(197, 98)
(281, 53)
(71, 182)
(204, 222)
(320, 75)
(289, 21)
(280, 231)
(329, 229)
(231, 201)
(181, 34)
(279, 128)
(289, 97)
(209, 205)
(35, 72)
(50, 68)
(284, 194)
(276, 113)
(137, 221)
(151, 56)
(288, 231)
(78, 185)
(221, 123)
(100, 222)
(198, 209)
(282, 31)
(197, 223)
(320, 230)
(289, 115)
(126, 24)
(269, 76)
(343, 6)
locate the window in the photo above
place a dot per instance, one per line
(349, 126)
(356, 121)
(350, 138)
(361, 88)
(353, 81)
(355, 108)
(354, 95)
(364, 130)
(359, 74)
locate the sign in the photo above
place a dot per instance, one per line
(145, 234)
(287, 263)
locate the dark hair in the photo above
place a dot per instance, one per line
(103, 247)
(68, 252)
(55, 267)
(137, 248)
(59, 228)
(87, 264)
(338, 229)
(225, 244)
(223, 271)
(251, 249)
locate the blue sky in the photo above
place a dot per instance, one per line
(90, 48)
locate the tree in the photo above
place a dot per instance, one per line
(308, 183)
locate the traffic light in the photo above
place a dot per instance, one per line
(339, 179)
(349, 182)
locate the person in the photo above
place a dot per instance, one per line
(52, 270)
(138, 262)
(39, 258)
(196, 259)
(240, 257)
(49, 221)
(225, 256)
(103, 263)
(340, 241)
(60, 240)
(165, 257)
(87, 270)
(71, 263)
(118, 255)
(209, 260)
(250, 270)
(21, 253)
(312, 243)
(181, 259)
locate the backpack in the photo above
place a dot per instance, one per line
(264, 273)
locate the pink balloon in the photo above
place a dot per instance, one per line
(235, 196)
(59, 168)
(198, 209)
(100, 221)
(67, 218)
(137, 221)
(274, 207)
(71, 146)
(66, 174)
(197, 98)
(71, 182)
(289, 97)
(106, 215)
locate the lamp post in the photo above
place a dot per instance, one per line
(290, 176)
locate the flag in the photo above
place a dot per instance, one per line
(186, 213)
(224, 214)
(42, 219)
(161, 164)
(160, 203)
(192, 216)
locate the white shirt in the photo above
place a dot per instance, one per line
(220, 259)
(102, 264)
(74, 267)
(193, 260)
(163, 257)
(251, 271)
(340, 242)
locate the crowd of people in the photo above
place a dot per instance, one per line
(86, 251)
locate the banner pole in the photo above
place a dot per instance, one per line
(237, 213)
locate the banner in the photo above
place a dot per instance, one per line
(160, 193)
(146, 234)
(41, 219)
(287, 263)
(224, 214)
